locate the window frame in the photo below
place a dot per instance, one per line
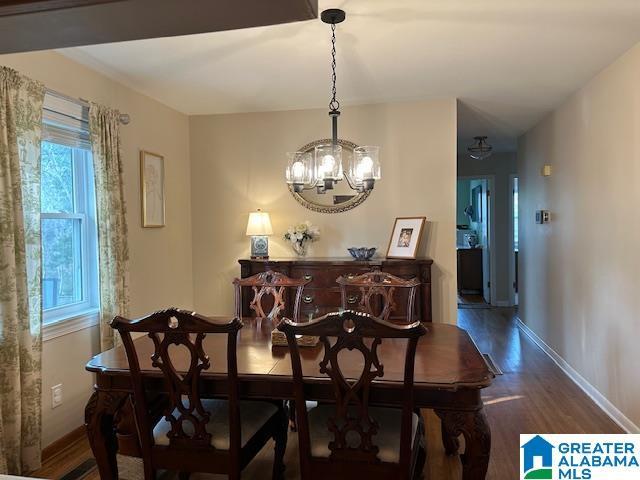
(73, 133)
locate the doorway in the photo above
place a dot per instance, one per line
(513, 252)
(474, 235)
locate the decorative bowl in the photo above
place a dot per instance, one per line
(362, 253)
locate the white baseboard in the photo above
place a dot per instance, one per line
(593, 393)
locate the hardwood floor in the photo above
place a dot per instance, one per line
(533, 396)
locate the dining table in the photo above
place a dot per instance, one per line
(450, 373)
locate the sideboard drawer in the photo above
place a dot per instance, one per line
(321, 297)
(325, 277)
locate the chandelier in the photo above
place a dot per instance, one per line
(480, 149)
(322, 168)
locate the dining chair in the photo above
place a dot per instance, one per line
(353, 437)
(276, 285)
(195, 434)
(375, 293)
(269, 287)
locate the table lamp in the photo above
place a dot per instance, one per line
(258, 228)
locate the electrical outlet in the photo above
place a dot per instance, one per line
(56, 395)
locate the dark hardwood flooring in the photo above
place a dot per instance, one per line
(533, 396)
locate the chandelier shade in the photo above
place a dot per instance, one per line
(328, 160)
(301, 170)
(364, 168)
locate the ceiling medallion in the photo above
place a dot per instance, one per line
(322, 168)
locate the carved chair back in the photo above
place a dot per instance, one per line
(181, 369)
(351, 420)
(376, 293)
(269, 284)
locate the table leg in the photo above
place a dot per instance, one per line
(98, 420)
(449, 441)
(421, 450)
(477, 436)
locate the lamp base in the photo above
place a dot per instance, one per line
(259, 247)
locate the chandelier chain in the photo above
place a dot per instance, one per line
(334, 104)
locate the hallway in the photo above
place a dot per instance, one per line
(533, 396)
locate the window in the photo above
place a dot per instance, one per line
(68, 213)
(515, 214)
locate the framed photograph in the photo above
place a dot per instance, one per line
(152, 189)
(405, 237)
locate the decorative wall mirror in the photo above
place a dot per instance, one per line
(342, 197)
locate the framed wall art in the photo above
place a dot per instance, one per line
(152, 189)
(405, 237)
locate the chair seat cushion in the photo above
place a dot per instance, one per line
(387, 439)
(253, 416)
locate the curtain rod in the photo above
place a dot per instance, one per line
(125, 118)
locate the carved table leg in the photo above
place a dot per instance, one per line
(449, 440)
(477, 436)
(98, 419)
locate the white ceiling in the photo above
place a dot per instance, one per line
(508, 61)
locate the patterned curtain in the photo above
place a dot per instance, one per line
(104, 124)
(21, 102)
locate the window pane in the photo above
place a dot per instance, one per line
(61, 262)
(57, 178)
(515, 214)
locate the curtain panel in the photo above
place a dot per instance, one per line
(104, 125)
(21, 102)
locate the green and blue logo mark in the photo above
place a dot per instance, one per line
(537, 461)
(580, 457)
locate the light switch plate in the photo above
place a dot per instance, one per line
(56, 395)
(542, 216)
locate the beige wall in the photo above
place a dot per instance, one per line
(500, 165)
(161, 264)
(580, 273)
(238, 165)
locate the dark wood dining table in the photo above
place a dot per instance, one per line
(449, 375)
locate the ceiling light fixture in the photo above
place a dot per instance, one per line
(480, 149)
(323, 169)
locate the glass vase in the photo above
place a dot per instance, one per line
(300, 248)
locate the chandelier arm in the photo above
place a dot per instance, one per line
(348, 179)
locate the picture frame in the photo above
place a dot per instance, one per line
(152, 180)
(405, 237)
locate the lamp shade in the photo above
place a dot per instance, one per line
(259, 224)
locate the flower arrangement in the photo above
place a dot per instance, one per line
(299, 235)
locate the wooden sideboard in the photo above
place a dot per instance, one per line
(322, 294)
